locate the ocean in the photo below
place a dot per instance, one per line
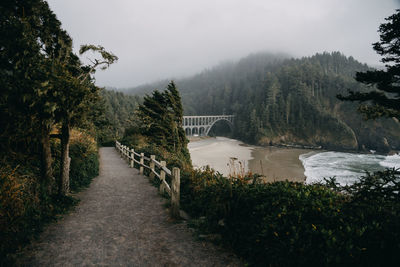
(346, 167)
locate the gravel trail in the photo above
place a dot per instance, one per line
(121, 221)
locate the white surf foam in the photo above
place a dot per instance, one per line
(392, 161)
(346, 167)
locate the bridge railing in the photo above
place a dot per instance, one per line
(152, 165)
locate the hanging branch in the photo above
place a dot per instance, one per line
(108, 58)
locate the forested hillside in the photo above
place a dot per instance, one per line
(117, 116)
(278, 100)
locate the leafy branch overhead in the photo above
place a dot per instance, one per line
(384, 100)
(108, 58)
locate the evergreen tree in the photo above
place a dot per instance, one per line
(294, 102)
(161, 116)
(76, 93)
(43, 84)
(31, 40)
(173, 99)
(385, 100)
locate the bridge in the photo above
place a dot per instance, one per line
(202, 125)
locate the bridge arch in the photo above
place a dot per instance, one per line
(202, 130)
(230, 124)
(202, 124)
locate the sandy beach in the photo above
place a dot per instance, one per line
(278, 164)
(274, 163)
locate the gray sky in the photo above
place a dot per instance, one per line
(159, 39)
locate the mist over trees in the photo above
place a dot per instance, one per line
(280, 100)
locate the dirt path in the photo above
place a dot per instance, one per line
(121, 221)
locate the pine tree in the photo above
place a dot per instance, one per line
(161, 116)
(31, 39)
(76, 94)
(384, 101)
(43, 84)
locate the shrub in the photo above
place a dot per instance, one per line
(293, 224)
(18, 201)
(84, 160)
(24, 207)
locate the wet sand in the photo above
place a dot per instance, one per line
(216, 152)
(277, 164)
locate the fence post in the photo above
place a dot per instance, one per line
(176, 180)
(122, 151)
(132, 157)
(162, 177)
(141, 163)
(127, 153)
(152, 166)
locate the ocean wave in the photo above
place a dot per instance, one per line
(392, 161)
(345, 167)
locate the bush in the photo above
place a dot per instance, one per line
(84, 160)
(24, 207)
(18, 202)
(293, 224)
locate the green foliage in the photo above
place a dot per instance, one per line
(159, 122)
(384, 99)
(24, 207)
(44, 84)
(30, 33)
(84, 161)
(293, 224)
(108, 58)
(117, 116)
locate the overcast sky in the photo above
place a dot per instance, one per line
(164, 39)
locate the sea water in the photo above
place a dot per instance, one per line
(346, 167)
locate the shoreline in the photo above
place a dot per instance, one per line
(277, 163)
(192, 138)
(298, 146)
(272, 163)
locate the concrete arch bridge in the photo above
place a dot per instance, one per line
(201, 125)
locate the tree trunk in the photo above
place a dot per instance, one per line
(47, 170)
(63, 185)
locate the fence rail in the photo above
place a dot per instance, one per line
(172, 190)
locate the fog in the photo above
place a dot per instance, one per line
(158, 39)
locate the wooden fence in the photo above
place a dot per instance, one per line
(173, 191)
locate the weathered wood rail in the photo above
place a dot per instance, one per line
(173, 191)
